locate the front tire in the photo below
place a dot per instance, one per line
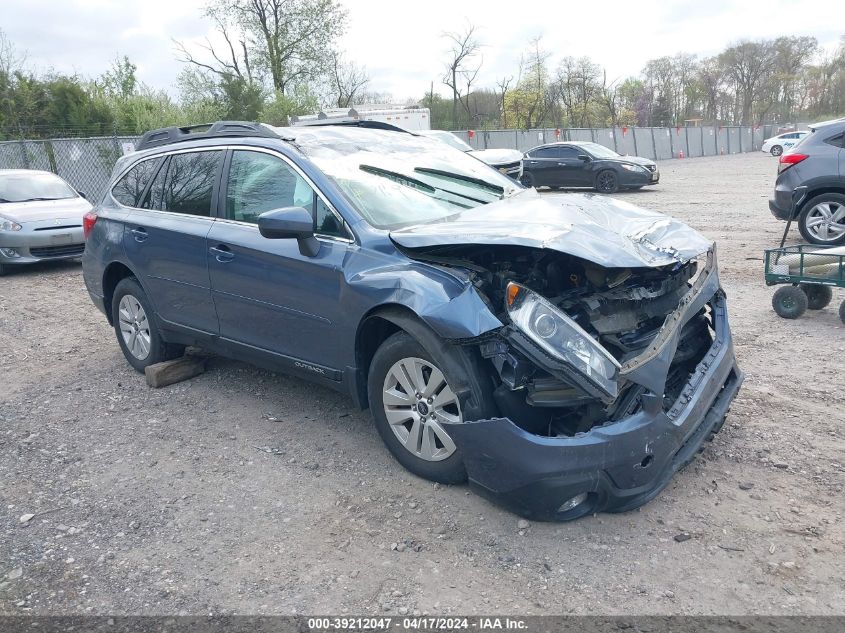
(136, 328)
(607, 181)
(776, 150)
(822, 220)
(789, 302)
(413, 405)
(527, 180)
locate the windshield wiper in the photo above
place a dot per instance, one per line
(413, 183)
(461, 177)
(402, 179)
(40, 199)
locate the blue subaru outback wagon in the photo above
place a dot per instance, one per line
(566, 354)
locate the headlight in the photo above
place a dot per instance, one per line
(631, 167)
(8, 225)
(561, 337)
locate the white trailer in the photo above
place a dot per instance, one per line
(410, 118)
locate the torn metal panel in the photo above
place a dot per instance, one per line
(617, 466)
(599, 229)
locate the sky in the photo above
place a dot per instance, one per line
(401, 44)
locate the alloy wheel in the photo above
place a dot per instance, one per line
(417, 401)
(134, 326)
(607, 182)
(826, 221)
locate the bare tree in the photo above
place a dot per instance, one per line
(503, 84)
(291, 41)
(233, 61)
(11, 59)
(461, 69)
(749, 65)
(348, 81)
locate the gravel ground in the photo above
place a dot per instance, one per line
(243, 491)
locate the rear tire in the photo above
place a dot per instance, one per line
(818, 297)
(789, 302)
(136, 327)
(776, 150)
(842, 311)
(822, 220)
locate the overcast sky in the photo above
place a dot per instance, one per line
(400, 41)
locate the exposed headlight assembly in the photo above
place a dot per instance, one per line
(562, 338)
(9, 225)
(631, 167)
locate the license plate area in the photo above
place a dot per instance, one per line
(61, 239)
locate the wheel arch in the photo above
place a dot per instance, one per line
(385, 320)
(819, 189)
(112, 275)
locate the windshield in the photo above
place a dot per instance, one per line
(395, 179)
(599, 151)
(23, 187)
(448, 138)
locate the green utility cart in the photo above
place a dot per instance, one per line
(811, 273)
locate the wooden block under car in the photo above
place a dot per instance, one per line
(177, 370)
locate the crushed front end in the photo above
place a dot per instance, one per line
(608, 379)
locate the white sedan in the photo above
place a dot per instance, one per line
(40, 218)
(781, 143)
(507, 161)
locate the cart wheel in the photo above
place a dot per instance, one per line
(818, 297)
(789, 302)
(842, 311)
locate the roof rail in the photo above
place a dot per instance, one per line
(168, 135)
(350, 122)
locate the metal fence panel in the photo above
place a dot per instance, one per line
(625, 141)
(747, 138)
(662, 143)
(12, 155)
(645, 142)
(694, 138)
(722, 140)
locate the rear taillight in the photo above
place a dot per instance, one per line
(788, 160)
(88, 222)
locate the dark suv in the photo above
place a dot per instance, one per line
(810, 185)
(567, 355)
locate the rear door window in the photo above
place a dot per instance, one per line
(129, 189)
(189, 185)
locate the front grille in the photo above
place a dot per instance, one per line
(68, 250)
(58, 228)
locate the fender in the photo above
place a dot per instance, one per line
(462, 364)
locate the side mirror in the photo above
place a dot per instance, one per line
(290, 223)
(82, 195)
(585, 158)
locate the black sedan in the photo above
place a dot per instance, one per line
(583, 164)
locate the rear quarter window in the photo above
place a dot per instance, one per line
(129, 189)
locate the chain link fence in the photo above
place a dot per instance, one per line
(86, 163)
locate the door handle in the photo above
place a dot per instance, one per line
(140, 234)
(222, 253)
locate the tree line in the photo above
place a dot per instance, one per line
(781, 80)
(268, 60)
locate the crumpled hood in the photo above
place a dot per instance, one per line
(497, 156)
(37, 210)
(603, 230)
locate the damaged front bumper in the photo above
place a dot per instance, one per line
(624, 463)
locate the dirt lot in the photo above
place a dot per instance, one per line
(243, 491)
